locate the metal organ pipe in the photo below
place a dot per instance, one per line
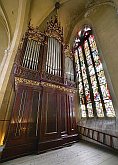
(69, 69)
(57, 56)
(51, 65)
(30, 61)
(49, 56)
(53, 59)
(35, 56)
(52, 53)
(31, 55)
(28, 53)
(53, 56)
(72, 72)
(47, 59)
(25, 55)
(60, 59)
(35, 59)
(38, 54)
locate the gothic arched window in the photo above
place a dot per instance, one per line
(95, 99)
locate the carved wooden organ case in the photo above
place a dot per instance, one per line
(44, 114)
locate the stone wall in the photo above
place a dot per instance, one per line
(104, 21)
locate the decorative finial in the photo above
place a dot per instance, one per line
(57, 5)
(29, 23)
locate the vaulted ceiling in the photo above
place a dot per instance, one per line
(68, 13)
(41, 10)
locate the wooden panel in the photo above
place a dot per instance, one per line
(56, 143)
(22, 138)
(24, 118)
(17, 126)
(63, 111)
(19, 147)
(33, 119)
(40, 124)
(71, 114)
(49, 115)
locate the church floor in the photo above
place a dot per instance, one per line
(81, 153)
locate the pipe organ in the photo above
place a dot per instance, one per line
(44, 114)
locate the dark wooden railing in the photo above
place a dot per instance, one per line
(98, 136)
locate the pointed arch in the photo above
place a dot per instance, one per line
(94, 94)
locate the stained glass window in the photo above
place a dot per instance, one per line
(94, 95)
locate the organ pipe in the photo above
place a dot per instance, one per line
(31, 56)
(34, 56)
(57, 56)
(54, 59)
(38, 54)
(69, 69)
(60, 59)
(51, 56)
(47, 60)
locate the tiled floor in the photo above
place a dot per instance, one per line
(80, 153)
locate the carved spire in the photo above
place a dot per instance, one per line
(54, 28)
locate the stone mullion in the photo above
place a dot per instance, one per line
(89, 83)
(99, 89)
(83, 86)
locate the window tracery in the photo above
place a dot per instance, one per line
(94, 95)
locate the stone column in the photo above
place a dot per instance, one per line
(6, 91)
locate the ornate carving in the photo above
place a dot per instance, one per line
(26, 73)
(35, 34)
(19, 80)
(54, 29)
(61, 88)
(52, 78)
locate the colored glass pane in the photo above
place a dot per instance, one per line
(91, 67)
(90, 110)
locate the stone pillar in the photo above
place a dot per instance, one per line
(6, 89)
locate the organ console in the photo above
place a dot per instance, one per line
(44, 114)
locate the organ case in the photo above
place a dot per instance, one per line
(43, 115)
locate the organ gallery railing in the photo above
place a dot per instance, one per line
(98, 136)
